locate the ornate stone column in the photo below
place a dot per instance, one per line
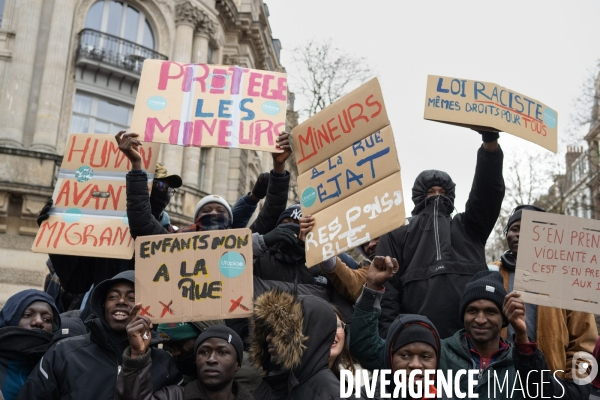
(191, 155)
(53, 79)
(14, 95)
(187, 17)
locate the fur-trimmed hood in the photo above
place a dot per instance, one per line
(304, 329)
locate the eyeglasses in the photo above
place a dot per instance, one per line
(164, 187)
(341, 325)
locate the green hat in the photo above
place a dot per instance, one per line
(175, 332)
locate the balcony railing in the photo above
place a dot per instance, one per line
(113, 50)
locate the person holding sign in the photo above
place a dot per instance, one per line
(559, 333)
(218, 355)
(87, 366)
(439, 254)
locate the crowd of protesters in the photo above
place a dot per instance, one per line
(421, 297)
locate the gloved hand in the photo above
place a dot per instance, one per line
(43, 215)
(280, 234)
(260, 187)
(488, 136)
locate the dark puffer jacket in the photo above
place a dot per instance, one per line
(304, 328)
(438, 254)
(86, 367)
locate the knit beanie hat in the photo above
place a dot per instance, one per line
(213, 198)
(294, 211)
(225, 333)
(175, 332)
(517, 213)
(415, 332)
(487, 285)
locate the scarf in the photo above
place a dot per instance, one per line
(209, 222)
(509, 260)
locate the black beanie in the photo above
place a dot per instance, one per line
(415, 332)
(516, 214)
(487, 285)
(294, 211)
(225, 333)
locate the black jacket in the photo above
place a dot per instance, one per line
(305, 328)
(438, 254)
(139, 211)
(275, 203)
(86, 367)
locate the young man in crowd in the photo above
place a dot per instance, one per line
(559, 333)
(27, 321)
(87, 366)
(485, 308)
(218, 353)
(437, 254)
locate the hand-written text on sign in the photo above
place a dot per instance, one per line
(209, 105)
(192, 271)
(558, 263)
(88, 217)
(487, 105)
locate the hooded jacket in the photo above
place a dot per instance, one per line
(21, 348)
(438, 254)
(304, 328)
(86, 367)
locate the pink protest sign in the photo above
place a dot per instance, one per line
(210, 105)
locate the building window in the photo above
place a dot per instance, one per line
(119, 19)
(2, 2)
(202, 168)
(92, 114)
(210, 55)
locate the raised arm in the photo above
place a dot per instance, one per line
(487, 192)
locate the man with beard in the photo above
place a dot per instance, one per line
(27, 321)
(559, 333)
(218, 355)
(86, 367)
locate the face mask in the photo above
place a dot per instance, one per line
(158, 202)
(213, 222)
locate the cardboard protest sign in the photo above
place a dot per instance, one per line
(367, 161)
(89, 214)
(350, 119)
(558, 263)
(357, 219)
(484, 105)
(349, 173)
(195, 276)
(210, 105)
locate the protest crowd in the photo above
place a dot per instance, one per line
(421, 297)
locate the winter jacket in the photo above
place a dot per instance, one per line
(139, 211)
(304, 328)
(275, 204)
(20, 351)
(135, 383)
(86, 367)
(438, 254)
(560, 333)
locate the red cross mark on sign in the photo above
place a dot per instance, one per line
(144, 311)
(238, 303)
(166, 308)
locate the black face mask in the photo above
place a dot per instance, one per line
(158, 202)
(187, 366)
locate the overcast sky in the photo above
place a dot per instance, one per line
(543, 49)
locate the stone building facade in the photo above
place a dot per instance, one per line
(74, 66)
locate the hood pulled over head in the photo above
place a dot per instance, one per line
(426, 180)
(304, 329)
(99, 294)
(11, 313)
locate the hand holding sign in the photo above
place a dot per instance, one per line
(43, 215)
(279, 159)
(138, 333)
(130, 146)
